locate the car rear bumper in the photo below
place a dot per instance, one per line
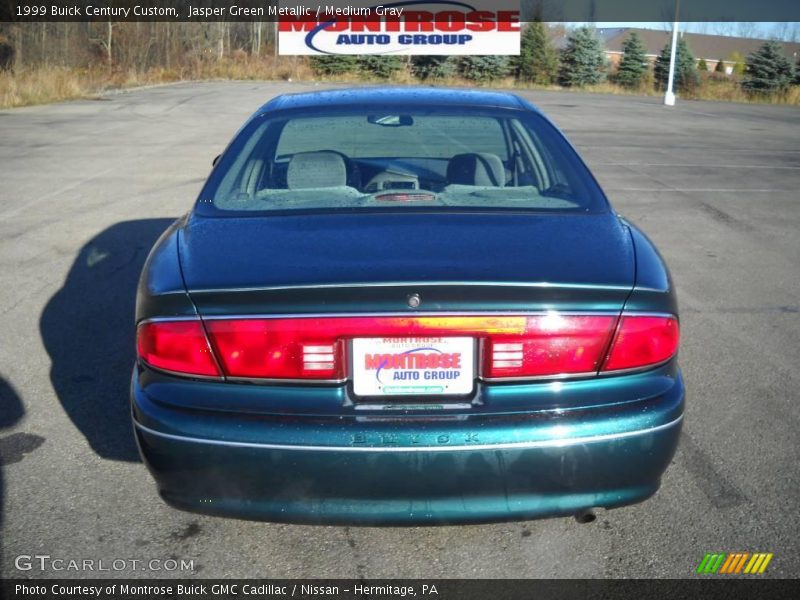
(408, 470)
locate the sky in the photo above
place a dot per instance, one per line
(785, 31)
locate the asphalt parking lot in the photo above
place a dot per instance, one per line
(87, 186)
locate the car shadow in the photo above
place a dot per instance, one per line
(87, 329)
(11, 413)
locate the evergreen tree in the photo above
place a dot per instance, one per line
(484, 68)
(633, 66)
(702, 65)
(334, 64)
(582, 60)
(686, 77)
(538, 61)
(381, 66)
(768, 70)
(720, 68)
(433, 67)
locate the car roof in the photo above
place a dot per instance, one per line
(405, 96)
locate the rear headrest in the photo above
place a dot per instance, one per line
(479, 168)
(316, 170)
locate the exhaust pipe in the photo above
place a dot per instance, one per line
(586, 516)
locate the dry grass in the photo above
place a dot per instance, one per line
(54, 84)
(720, 89)
(44, 85)
(730, 91)
(243, 67)
(716, 89)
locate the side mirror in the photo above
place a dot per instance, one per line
(216, 160)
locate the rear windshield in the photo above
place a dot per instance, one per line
(379, 159)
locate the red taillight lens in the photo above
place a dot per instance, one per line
(551, 345)
(643, 341)
(279, 348)
(177, 346)
(314, 348)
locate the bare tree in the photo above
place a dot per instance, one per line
(747, 29)
(43, 43)
(220, 39)
(724, 28)
(785, 31)
(138, 45)
(255, 47)
(106, 41)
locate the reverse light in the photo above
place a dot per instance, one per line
(318, 358)
(176, 346)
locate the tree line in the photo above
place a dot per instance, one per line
(582, 61)
(128, 45)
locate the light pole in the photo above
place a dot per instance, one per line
(669, 97)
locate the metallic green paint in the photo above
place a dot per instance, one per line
(301, 453)
(313, 453)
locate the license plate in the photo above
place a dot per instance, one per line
(422, 366)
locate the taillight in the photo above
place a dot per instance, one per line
(550, 345)
(314, 348)
(642, 341)
(176, 346)
(278, 348)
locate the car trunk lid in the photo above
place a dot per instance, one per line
(374, 262)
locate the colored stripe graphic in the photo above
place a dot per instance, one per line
(732, 563)
(710, 563)
(740, 564)
(732, 559)
(758, 563)
(703, 563)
